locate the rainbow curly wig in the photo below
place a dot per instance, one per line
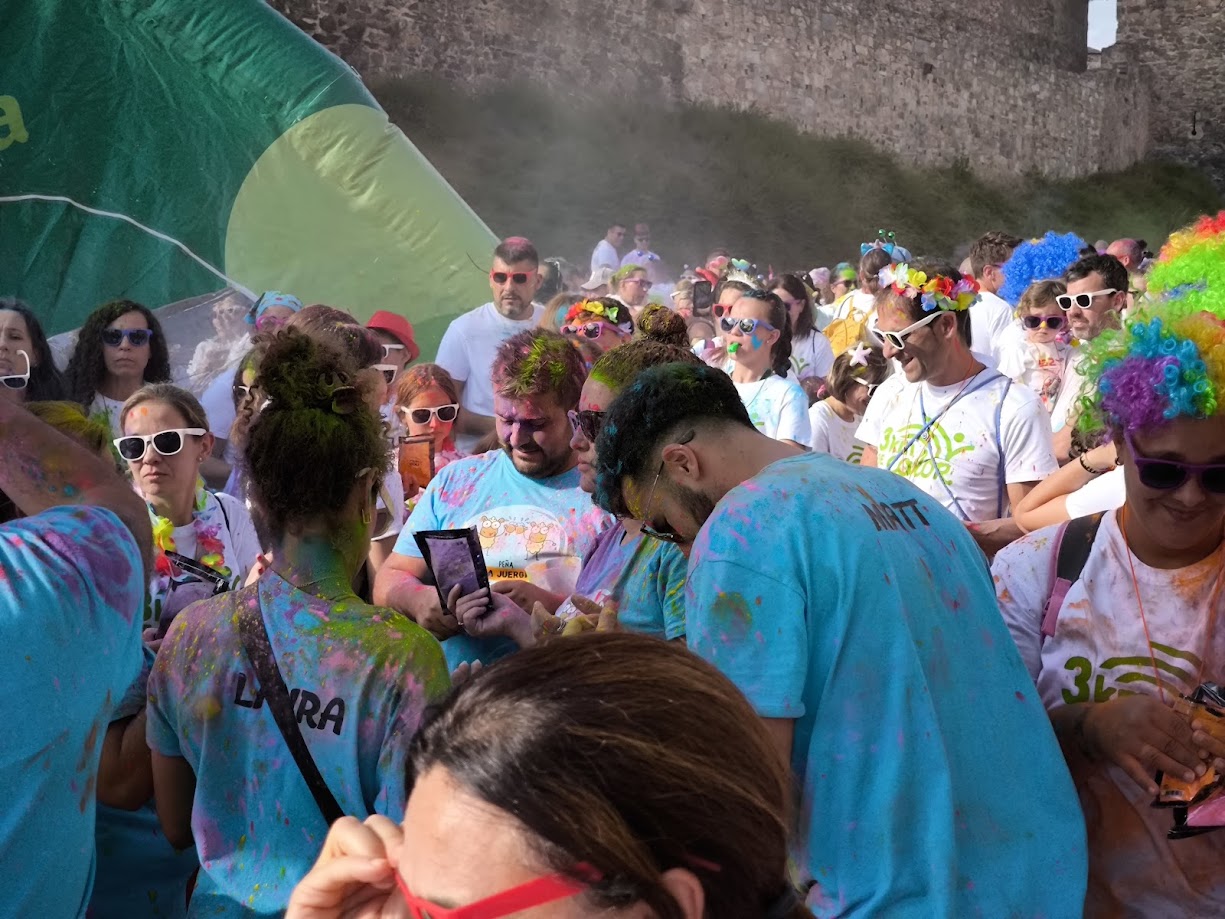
(1168, 360)
(1039, 260)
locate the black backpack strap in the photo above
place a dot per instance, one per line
(1073, 545)
(255, 641)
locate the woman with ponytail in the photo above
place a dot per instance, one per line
(606, 804)
(354, 680)
(758, 337)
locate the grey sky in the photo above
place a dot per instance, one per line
(1101, 23)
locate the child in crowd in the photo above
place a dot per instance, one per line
(706, 342)
(427, 401)
(834, 420)
(1041, 362)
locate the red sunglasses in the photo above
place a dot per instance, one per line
(526, 896)
(501, 277)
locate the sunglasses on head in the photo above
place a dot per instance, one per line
(587, 422)
(537, 892)
(898, 339)
(1167, 475)
(1054, 323)
(18, 380)
(1084, 301)
(515, 277)
(423, 415)
(744, 326)
(388, 371)
(137, 338)
(133, 446)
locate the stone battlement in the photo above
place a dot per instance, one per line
(935, 82)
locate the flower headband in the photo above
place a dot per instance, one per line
(611, 312)
(936, 293)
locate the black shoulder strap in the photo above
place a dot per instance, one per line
(1076, 545)
(255, 642)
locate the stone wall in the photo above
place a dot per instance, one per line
(934, 81)
(1177, 45)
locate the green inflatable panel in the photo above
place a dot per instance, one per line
(163, 149)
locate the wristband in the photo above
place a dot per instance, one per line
(1089, 469)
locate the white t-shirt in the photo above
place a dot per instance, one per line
(218, 404)
(604, 255)
(959, 462)
(1064, 409)
(812, 357)
(1102, 493)
(1038, 367)
(1099, 651)
(778, 408)
(237, 535)
(468, 348)
(832, 435)
(993, 326)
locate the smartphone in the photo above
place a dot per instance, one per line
(703, 298)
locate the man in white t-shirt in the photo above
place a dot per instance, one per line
(470, 342)
(1097, 294)
(993, 324)
(957, 429)
(642, 255)
(605, 253)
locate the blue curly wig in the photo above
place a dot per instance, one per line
(1039, 260)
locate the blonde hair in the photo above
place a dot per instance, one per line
(1038, 295)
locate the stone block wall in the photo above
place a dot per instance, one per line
(1177, 45)
(934, 81)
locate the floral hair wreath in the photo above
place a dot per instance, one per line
(935, 293)
(614, 314)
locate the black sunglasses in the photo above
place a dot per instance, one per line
(587, 422)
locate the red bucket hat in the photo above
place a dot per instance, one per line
(397, 325)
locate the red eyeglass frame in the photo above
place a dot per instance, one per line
(534, 893)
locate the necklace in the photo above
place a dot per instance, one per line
(928, 425)
(209, 546)
(1148, 638)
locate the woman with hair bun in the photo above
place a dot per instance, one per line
(607, 804)
(354, 679)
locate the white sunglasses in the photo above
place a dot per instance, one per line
(444, 413)
(388, 371)
(169, 442)
(387, 349)
(898, 339)
(1084, 301)
(17, 380)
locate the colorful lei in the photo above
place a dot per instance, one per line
(935, 293)
(209, 547)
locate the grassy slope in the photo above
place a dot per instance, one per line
(559, 172)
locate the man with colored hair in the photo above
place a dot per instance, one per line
(863, 628)
(535, 524)
(993, 325)
(959, 430)
(468, 346)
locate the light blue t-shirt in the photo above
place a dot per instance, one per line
(360, 679)
(71, 602)
(642, 578)
(535, 529)
(140, 874)
(931, 780)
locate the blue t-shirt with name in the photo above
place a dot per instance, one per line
(931, 781)
(535, 529)
(71, 605)
(360, 679)
(643, 579)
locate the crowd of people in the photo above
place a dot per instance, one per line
(714, 593)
